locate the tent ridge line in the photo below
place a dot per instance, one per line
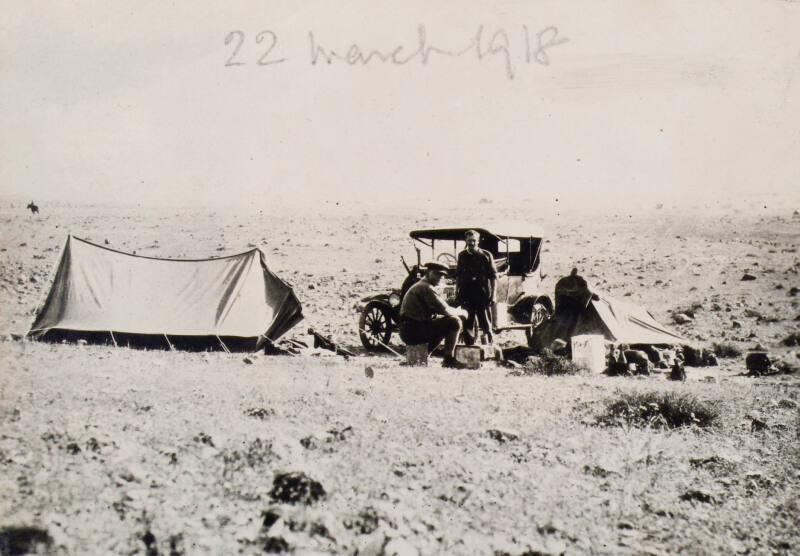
(235, 255)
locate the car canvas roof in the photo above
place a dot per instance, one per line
(503, 230)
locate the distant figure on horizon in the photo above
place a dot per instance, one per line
(33, 208)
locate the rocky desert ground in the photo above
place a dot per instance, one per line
(121, 451)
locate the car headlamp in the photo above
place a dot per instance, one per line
(394, 300)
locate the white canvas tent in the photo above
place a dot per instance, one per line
(617, 321)
(100, 290)
(622, 322)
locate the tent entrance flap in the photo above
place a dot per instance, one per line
(100, 289)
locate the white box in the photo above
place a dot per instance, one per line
(589, 352)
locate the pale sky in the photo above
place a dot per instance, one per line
(133, 101)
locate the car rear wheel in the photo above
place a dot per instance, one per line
(375, 326)
(539, 315)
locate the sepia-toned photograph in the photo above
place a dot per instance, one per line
(513, 278)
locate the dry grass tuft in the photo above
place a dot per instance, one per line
(659, 410)
(547, 364)
(726, 350)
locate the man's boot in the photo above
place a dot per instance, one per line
(452, 363)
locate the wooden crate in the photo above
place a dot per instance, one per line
(417, 355)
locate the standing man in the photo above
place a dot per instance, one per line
(476, 279)
(418, 323)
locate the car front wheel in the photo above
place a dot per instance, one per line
(375, 326)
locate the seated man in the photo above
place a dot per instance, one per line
(418, 323)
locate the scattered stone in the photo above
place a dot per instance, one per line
(73, 448)
(260, 412)
(247, 361)
(715, 464)
(793, 291)
(369, 372)
(598, 471)
(131, 474)
(149, 540)
(275, 545)
(681, 318)
(758, 480)
(757, 424)
(341, 434)
(759, 362)
(93, 445)
(315, 441)
(748, 277)
(503, 435)
(699, 496)
(269, 517)
(296, 488)
(792, 339)
(204, 438)
(710, 379)
(24, 540)
(365, 523)
(710, 360)
(787, 404)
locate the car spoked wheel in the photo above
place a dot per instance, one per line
(375, 326)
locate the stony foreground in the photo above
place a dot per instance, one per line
(110, 451)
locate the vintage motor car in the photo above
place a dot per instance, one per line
(516, 250)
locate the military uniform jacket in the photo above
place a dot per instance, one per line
(473, 273)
